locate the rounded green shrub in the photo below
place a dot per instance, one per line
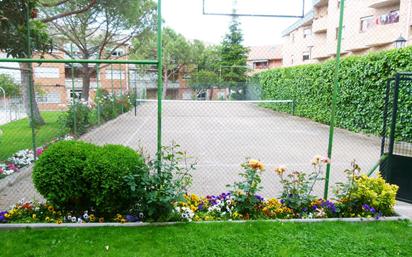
(58, 174)
(105, 174)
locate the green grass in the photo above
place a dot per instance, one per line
(216, 239)
(17, 134)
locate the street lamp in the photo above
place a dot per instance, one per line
(400, 42)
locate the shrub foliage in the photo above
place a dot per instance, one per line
(74, 175)
(362, 90)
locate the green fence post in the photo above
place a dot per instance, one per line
(73, 95)
(121, 84)
(113, 96)
(159, 81)
(31, 96)
(334, 98)
(98, 92)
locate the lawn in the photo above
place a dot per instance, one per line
(216, 239)
(17, 134)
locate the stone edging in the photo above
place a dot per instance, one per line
(143, 224)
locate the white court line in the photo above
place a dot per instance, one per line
(140, 127)
(215, 101)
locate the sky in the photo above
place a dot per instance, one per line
(186, 17)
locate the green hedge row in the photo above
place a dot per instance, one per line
(362, 90)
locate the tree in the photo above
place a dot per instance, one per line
(203, 80)
(10, 87)
(177, 53)
(99, 31)
(14, 40)
(234, 59)
(17, 22)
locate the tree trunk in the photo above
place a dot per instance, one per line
(86, 81)
(29, 93)
(211, 93)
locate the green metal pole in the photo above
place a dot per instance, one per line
(159, 80)
(121, 84)
(29, 55)
(73, 94)
(334, 98)
(112, 82)
(98, 91)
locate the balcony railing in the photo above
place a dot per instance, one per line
(320, 25)
(78, 83)
(382, 3)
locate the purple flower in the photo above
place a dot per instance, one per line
(2, 218)
(131, 218)
(259, 198)
(282, 201)
(200, 207)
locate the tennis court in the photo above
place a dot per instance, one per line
(221, 134)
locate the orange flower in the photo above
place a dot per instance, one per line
(256, 165)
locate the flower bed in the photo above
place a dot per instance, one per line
(161, 197)
(24, 158)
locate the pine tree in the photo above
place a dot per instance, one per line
(233, 59)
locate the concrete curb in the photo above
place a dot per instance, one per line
(15, 178)
(160, 224)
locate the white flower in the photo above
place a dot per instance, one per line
(79, 220)
(74, 219)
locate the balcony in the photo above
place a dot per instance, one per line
(320, 25)
(320, 52)
(383, 35)
(376, 4)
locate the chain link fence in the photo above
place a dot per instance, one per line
(219, 123)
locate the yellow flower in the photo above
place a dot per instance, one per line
(7, 215)
(101, 220)
(256, 165)
(59, 222)
(92, 218)
(50, 208)
(47, 219)
(123, 221)
(195, 198)
(280, 170)
(34, 216)
(193, 208)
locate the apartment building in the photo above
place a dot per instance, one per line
(264, 57)
(369, 25)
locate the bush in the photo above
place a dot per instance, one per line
(105, 172)
(363, 195)
(160, 190)
(76, 120)
(362, 89)
(10, 87)
(58, 174)
(76, 176)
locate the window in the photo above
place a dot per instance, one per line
(115, 74)
(118, 53)
(46, 73)
(366, 23)
(307, 32)
(306, 56)
(77, 94)
(343, 32)
(49, 98)
(260, 65)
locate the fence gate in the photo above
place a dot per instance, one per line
(397, 134)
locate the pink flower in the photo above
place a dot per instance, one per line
(12, 166)
(1, 170)
(39, 151)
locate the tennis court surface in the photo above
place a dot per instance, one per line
(221, 134)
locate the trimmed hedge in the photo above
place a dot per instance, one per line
(362, 90)
(74, 175)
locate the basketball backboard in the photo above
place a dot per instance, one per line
(255, 8)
